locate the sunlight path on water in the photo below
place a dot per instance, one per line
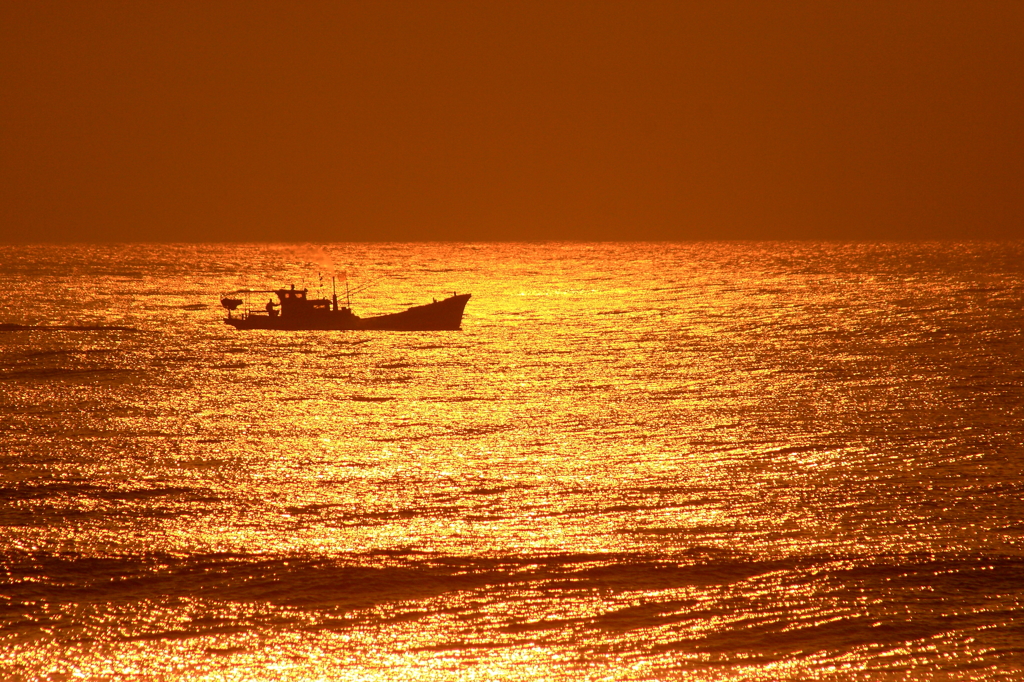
(636, 461)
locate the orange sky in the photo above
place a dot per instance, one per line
(335, 121)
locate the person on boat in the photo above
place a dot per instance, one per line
(270, 308)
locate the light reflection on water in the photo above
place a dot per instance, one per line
(637, 461)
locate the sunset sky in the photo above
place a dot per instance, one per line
(342, 121)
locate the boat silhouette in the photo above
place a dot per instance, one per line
(299, 312)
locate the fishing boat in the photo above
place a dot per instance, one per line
(294, 310)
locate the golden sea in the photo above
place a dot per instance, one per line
(636, 461)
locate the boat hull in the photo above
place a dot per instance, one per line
(444, 315)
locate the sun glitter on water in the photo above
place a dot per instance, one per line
(636, 461)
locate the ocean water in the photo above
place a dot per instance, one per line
(734, 461)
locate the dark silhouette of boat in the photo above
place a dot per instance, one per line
(297, 312)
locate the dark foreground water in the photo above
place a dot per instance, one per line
(636, 462)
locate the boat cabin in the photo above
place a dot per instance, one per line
(294, 302)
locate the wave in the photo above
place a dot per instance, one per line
(8, 327)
